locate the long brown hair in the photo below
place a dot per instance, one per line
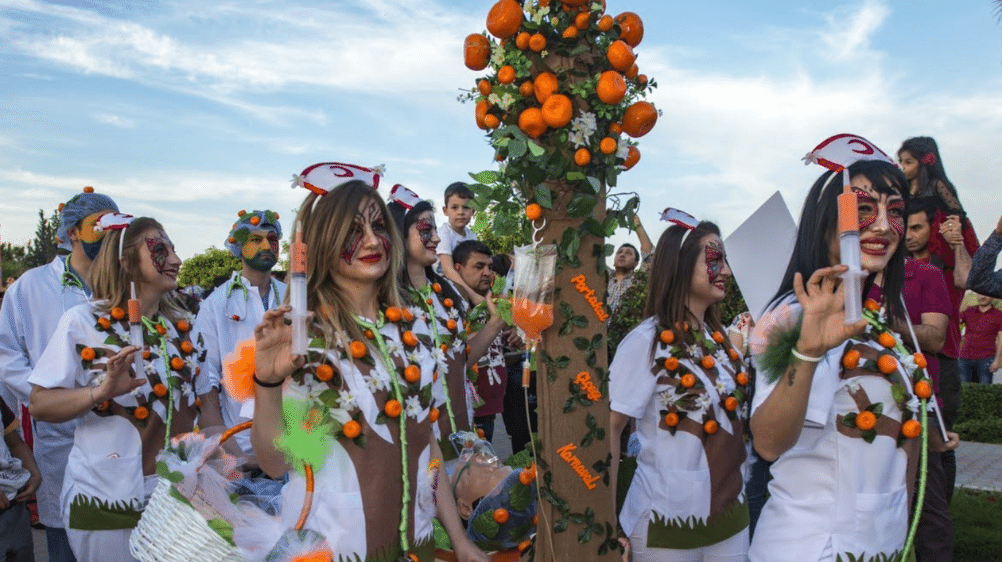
(327, 223)
(110, 276)
(670, 279)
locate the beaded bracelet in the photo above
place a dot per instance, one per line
(805, 358)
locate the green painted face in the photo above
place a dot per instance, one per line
(260, 251)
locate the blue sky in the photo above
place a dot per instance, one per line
(189, 111)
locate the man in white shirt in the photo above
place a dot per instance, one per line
(31, 309)
(229, 314)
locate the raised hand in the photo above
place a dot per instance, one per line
(823, 301)
(118, 380)
(273, 357)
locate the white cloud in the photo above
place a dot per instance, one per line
(115, 120)
(848, 34)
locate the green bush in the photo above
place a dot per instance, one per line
(204, 268)
(976, 516)
(980, 415)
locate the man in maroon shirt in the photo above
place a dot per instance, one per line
(981, 353)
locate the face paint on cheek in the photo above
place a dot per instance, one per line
(273, 243)
(352, 246)
(424, 230)
(158, 253)
(714, 260)
(896, 218)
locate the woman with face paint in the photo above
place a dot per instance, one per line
(122, 417)
(357, 406)
(685, 384)
(835, 406)
(436, 301)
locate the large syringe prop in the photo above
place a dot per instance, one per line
(136, 332)
(297, 293)
(848, 228)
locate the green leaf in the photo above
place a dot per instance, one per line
(519, 497)
(543, 196)
(877, 408)
(560, 525)
(222, 528)
(581, 206)
(487, 176)
(563, 361)
(535, 149)
(581, 343)
(516, 149)
(594, 227)
(486, 525)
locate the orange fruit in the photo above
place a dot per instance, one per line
(639, 118)
(544, 86)
(866, 420)
(325, 372)
(526, 477)
(524, 545)
(557, 110)
(182, 326)
(611, 87)
(671, 419)
(161, 329)
(369, 334)
(506, 74)
(632, 72)
(632, 157)
(437, 287)
(187, 347)
(408, 315)
(104, 322)
(522, 40)
(481, 112)
(176, 363)
(688, 380)
(851, 359)
(484, 87)
(667, 336)
(608, 145)
(537, 42)
(141, 413)
(615, 128)
(146, 355)
(733, 354)
(526, 88)
(582, 157)
(717, 337)
(581, 20)
(358, 349)
(117, 313)
(707, 362)
(392, 408)
(911, 429)
(631, 28)
(393, 314)
(570, 33)
(501, 516)
(255, 220)
(923, 389)
(741, 378)
(476, 51)
(198, 402)
(671, 363)
(920, 361)
(731, 404)
(887, 364)
(642, 79)
(605, 23)
(434, 413)
(447, 302)
(711, 426)
(412, 373)
(241, 213)
(88, 189)
(504, 19)
(160, 390)
(886, 339)
(352, 429)
(491, 121)
(574, 3)
(533, 211)
(620, 56)
(531, 122)
(871, 305)
(451, 325)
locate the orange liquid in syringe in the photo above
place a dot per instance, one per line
(532, 317)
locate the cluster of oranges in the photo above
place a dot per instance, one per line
(541, 97)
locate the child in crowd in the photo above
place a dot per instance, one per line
(459, 213)
(19, 478)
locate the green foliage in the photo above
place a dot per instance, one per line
(204, 268)
(733, 303)
(980, 415)
(43, 247)
(13, 261)
(976, 517)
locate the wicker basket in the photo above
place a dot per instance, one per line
(171, 530)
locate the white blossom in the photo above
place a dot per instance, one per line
(582, 128)
(913, 403)
(703, 402)
(695, 352)
(413, 406)
(623, 148)
(853, 386)
(377, 379)
(393, 347)
(908, 362)
(497, 56)
(346, 400)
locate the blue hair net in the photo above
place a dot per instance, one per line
(77, 209)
